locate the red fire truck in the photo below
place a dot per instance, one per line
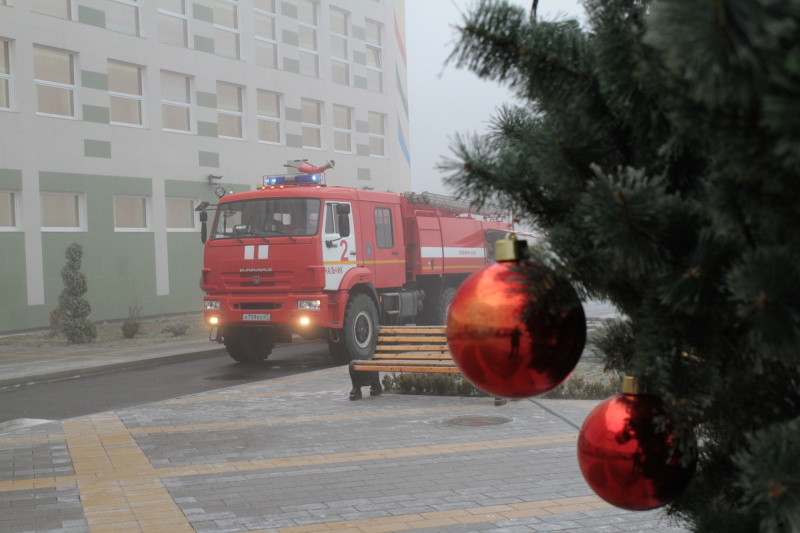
(297, 257)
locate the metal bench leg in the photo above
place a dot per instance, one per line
(361, 378)
(498, 402)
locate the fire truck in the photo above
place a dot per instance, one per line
(298, 257)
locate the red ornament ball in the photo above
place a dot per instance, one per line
(499, 350)
(625, 453)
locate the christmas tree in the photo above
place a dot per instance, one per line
(657, 146)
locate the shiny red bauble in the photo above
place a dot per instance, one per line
(625, 453)
(505, 351)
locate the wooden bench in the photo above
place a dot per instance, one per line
(421, 349)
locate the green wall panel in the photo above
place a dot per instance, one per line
(208, 159)
(293, 114)
(207, 129)
(93, 113)
(294, 141)
(359, 57)
(94, 80)
(93, 148)
(185, 266)
(360, 82)
(204, 44)
(360, 33)
(291, 65)
(364, 174)
(10, 178)
(200, 12)
(362, 149)
(13, 282)
(291, 38)
(288, 10)
(92, 17)
(362, 126)
(206, 99)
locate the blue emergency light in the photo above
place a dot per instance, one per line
(286, 179)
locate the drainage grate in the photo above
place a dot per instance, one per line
(477, 421)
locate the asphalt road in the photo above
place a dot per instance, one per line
(60, 400)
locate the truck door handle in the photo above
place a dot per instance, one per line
(395, 253)
(352, 253)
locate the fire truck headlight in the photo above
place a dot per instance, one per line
(304, 321)
(212, 305)
(213, 320)
(308, 305)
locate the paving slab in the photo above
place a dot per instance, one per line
(294, 455)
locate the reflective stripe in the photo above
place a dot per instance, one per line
(451, 252)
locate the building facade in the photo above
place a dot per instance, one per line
(117, 117)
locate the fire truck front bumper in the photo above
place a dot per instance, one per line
(296, 312)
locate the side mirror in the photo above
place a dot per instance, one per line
(203, 227)
(342, 209)
(344, 225)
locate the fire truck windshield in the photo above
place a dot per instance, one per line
(268, 217)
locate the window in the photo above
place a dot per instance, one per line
(125, 91)
(311, 123)
(342, 128)
(269, 117)
(229, 110)
(54, 73)
(265, 5)
(180, 213)
(5, 75)
(62, 212)
(340, 67)
(374, 57)
(130, 213)
(384, 236)
(377, 134)
(8, 210)
(55, 8)
(173, 25)
(226, 28)
(122, 16)
(307, 34)
(266, 41)
(175, 102)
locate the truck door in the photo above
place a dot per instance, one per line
(338, 252)
(388, 249)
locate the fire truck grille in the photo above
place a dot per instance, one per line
(258, 306)
(261, 280)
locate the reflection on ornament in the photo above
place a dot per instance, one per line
(625, 452)
(499, 350)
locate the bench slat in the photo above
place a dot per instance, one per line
(441, 339)
(400, 348)
(391, 367)
(412, 356)
(406, 330)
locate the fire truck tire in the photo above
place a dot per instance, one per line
(360, 328)
(443, 305)
(248, 345)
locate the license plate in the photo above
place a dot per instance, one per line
(256, 317)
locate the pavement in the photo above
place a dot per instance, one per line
(294, 455)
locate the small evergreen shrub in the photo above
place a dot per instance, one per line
(70, 315)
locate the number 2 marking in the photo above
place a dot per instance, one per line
(344, 252)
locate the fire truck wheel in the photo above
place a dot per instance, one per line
(360, 327)
(443, 305)
(248, 345)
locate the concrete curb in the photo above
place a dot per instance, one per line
(94, 369)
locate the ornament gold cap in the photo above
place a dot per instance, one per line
(630, 385)
(508, 248)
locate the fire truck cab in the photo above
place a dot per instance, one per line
(297, 257)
